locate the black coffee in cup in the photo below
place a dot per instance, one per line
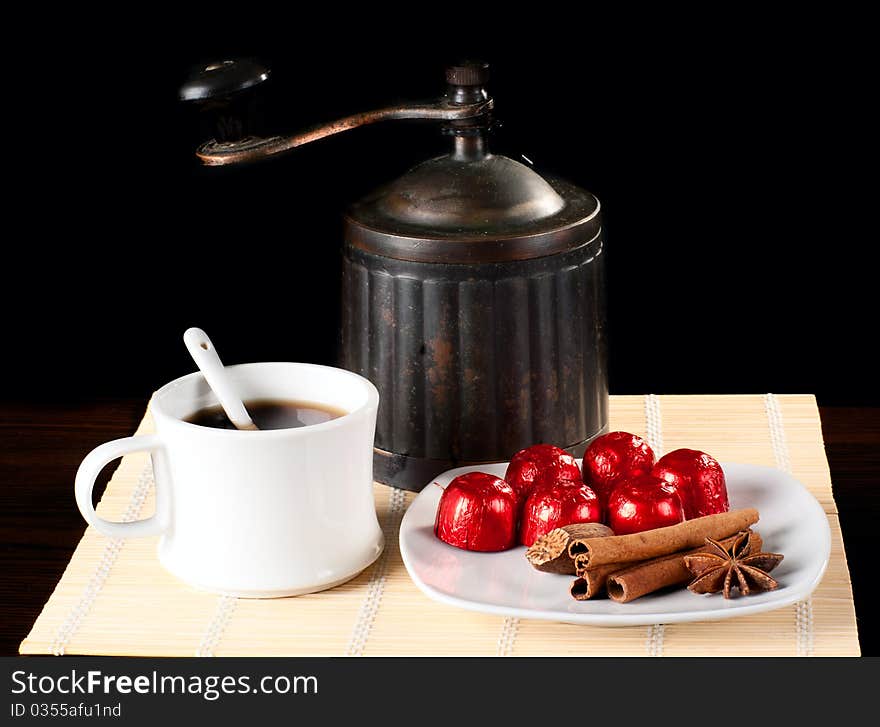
(270, 414)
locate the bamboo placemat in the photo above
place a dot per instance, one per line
(114, 597)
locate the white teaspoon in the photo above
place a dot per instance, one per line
(205, 355)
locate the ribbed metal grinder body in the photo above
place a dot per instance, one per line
(483, 342)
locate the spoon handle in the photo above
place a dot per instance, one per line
(205, 355)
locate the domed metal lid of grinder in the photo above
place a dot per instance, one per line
(470, 205)
(473, 210)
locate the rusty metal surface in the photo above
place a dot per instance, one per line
(455, 196)
(474, 362)
(215, 153)
(370, 228)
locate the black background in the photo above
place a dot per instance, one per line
(727, 152)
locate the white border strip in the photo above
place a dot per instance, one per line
(803, 614)
(376, 587)
(216, 627)
(654, 431)
(102, 571)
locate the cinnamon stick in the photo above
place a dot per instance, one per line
(590, 583)
(640, 579)
(549, 553)
(661, 541)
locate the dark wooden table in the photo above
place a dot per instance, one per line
(41, 445)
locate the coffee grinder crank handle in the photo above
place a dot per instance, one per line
(218, 85)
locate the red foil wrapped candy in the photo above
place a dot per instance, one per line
(478, 511)
(545, 459)
(642, 503)
(554, 504)
(614, 457)
(697, 478)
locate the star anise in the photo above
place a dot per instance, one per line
(721, 569)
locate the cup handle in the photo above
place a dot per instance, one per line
(85, 481)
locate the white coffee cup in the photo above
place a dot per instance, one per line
(257, 514)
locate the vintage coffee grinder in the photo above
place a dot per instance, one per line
(473, 293)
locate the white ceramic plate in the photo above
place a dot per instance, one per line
(792, 523)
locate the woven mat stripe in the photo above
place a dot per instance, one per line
(376, 587)
(509, 629)
(214, 632)
(108, 559)
(803, 611)
(654, 431)
(654, 423)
